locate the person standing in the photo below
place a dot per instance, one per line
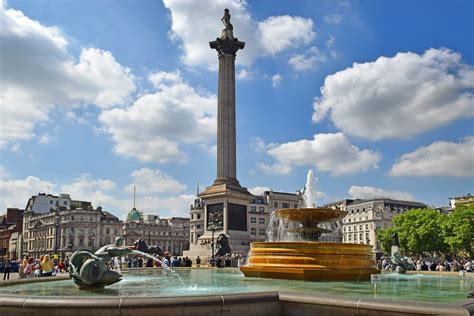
(7, 269)
(198, 262)
(47, 266)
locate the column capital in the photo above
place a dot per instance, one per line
(227, 45)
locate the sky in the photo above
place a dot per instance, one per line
(376, 97)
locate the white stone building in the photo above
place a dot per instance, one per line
(365, 217)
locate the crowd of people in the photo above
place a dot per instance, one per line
(29, 267)
(440, 266)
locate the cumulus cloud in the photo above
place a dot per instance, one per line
(366, 192)
(15, 192)
(156, 124)
(307, 61)
(39, 73)
(400, 96)
(258, 190)
(153, 180)
(97, 191)
(268, 37)
(327, 152)
(276, 80)
(441, 158)
(278, 33)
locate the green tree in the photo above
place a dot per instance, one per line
(384, 236)
(458, 230)
(419, 231)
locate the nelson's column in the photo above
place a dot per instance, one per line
(226, 202)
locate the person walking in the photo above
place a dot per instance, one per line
(7, 269)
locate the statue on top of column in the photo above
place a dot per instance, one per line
(226, 20)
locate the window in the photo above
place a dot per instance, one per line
(65, 203)
(198, 226)
(51, 202)
(344, 229)
(285, 205)
(295, 205)
(253, 231)
(107, 231)
(81, 241)
(115, 231)
(261, 209)
(253, 219)
(366, 226)
(275, 204)
(253, 208)
(350, 237)
(360, 227)
(198, 216)
(192, 238)
(192, 216)
(261, 232)
(349, 228)
(72, 218)
(261, 220)
(361, 237)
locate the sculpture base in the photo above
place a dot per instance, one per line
(310, 261)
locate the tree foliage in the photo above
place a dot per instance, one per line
(425, 230)
(458, 230)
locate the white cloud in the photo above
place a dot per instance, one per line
(196, 23)
(45, 139)
(178, 205)
(156, 124)
(366, 192)
(278, 33)
(332, 19)
(307, 61)
(438, 159)
(152, 181)
(15, 192)
(258, 145)
(330, 43)
(245, 74)
(38, 73)
(327, 152)
(276, 80)
(258, 190)
(276, 168)
(97, 191)
(400, 96)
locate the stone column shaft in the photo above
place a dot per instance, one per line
(226, 139)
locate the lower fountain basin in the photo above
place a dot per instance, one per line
(310, 261)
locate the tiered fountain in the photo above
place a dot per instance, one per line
(293, 251)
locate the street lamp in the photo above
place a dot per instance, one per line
(214, 222)
(91, 237)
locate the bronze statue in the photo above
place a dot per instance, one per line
(226, 20)
(88, 269)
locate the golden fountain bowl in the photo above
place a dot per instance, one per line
(310, 215)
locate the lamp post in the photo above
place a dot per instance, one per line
(214, 223)
(92, 235)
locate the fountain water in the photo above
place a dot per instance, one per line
(293, 250)
(165, 267)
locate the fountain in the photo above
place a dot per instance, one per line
(294, 252)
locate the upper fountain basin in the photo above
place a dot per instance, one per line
(317, 214)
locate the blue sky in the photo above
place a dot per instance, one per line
(98, 96)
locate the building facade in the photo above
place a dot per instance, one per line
(365, 217)
(171, 234)
(461, 200)
(11, 224)
(59, 225)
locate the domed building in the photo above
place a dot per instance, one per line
(134, 215)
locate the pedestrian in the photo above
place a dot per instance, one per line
(198, 262)
(28, 270)
(7, 269)
(47, 266)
